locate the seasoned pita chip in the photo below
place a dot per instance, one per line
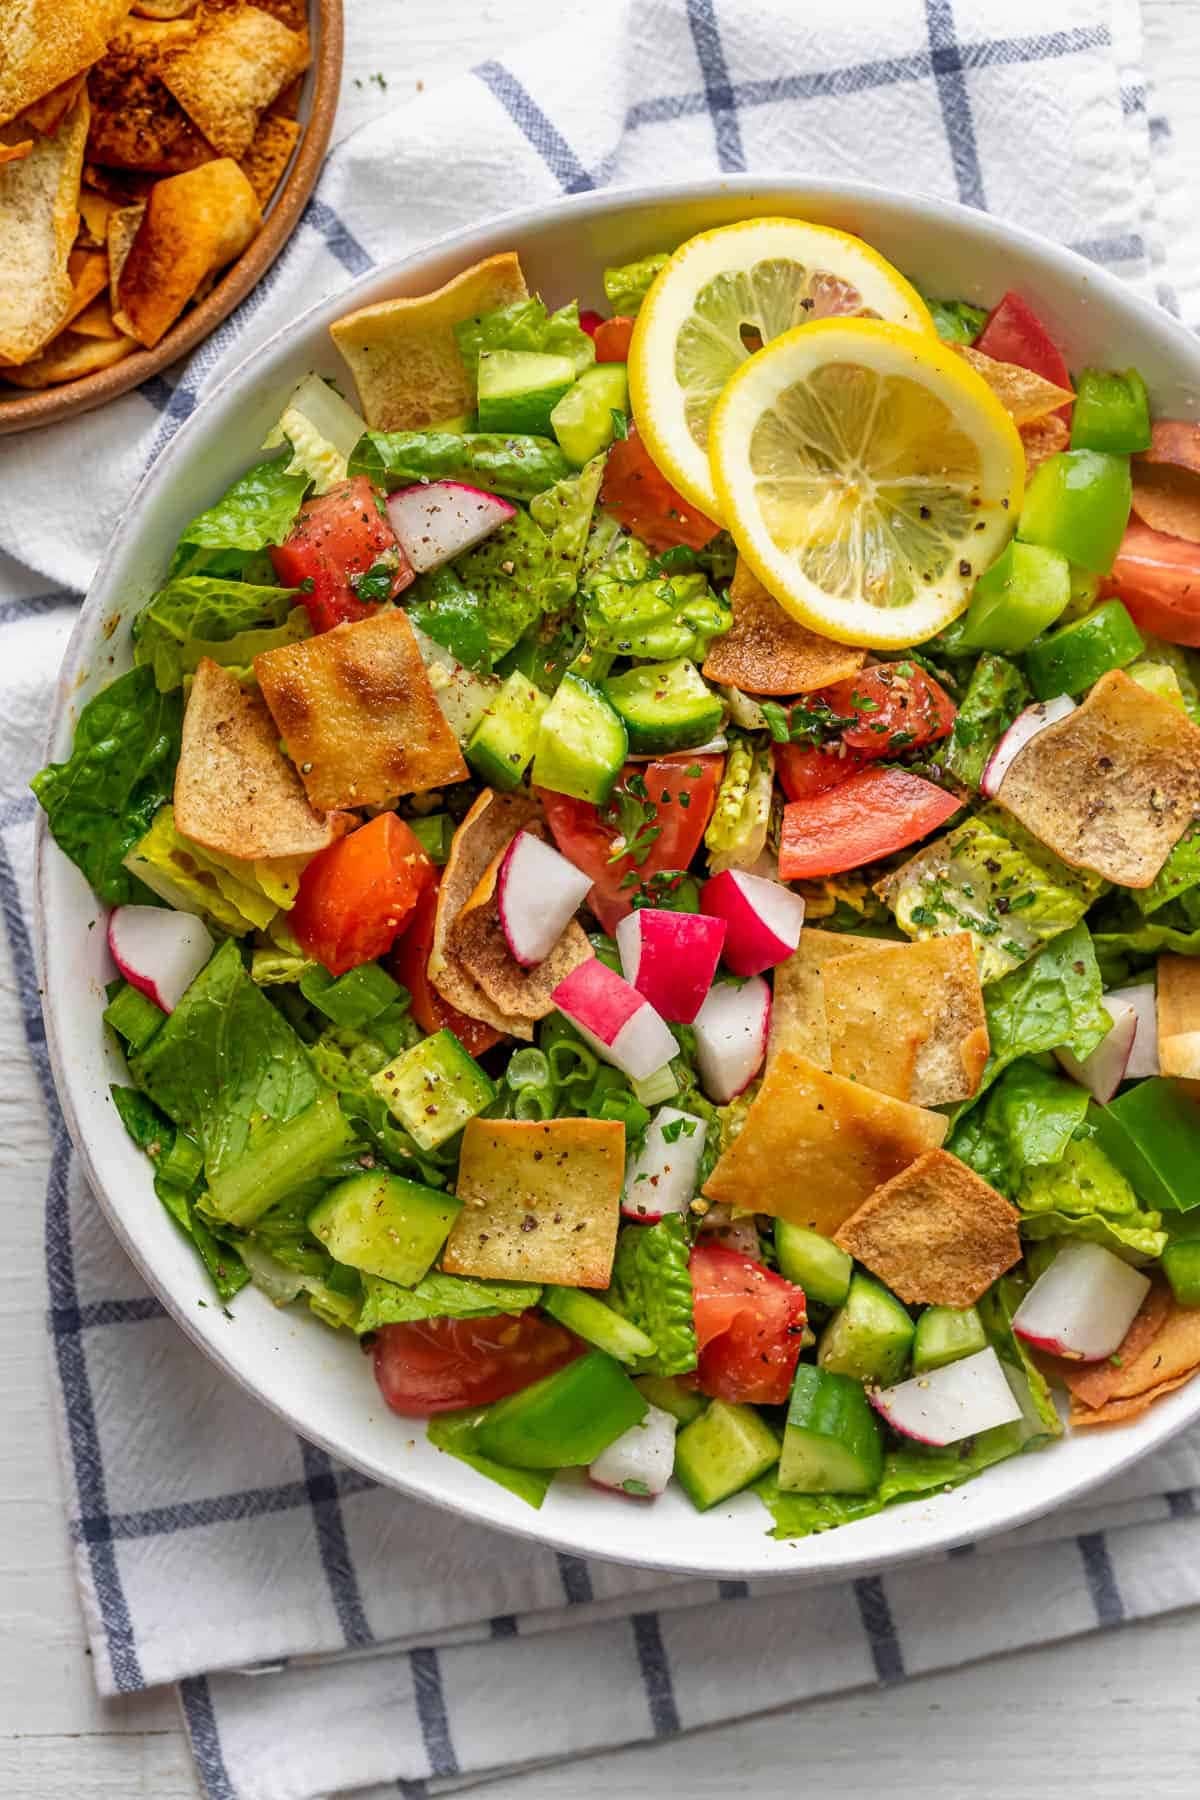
(541, 1201)
(11, 153)
(48, 113)
(1043, 439)
(163, 9)
(908, 1019)
(1178, 980)
(269, 155)
(356, 711)
(69, 357)
(936, 1233)
(767, 652)
(137, 123)
(477, 939)
(1166, 496)
(88, 270)
(235, 790)
(44, 43)
(38, 222)
(403, 354)
(95, 210)
(292, 13)
(96, 321)
(1025, 397)
(1113, 786)
(231, 71)
(1094, 1384)
(122, 229)
(193, 225)
(814, 1146)
(1165, 1362)
(798, 1018)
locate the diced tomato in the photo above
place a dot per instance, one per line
(439, 1365)
(808, 769)
(590, 321)
(1158, 578)
(1014, 334)
(409, 963)
(749, 1327)
(336, 539)
(682, 789)
(870, 815)
(356, 895)
(644, 501)
(612, 339)
(893, 711)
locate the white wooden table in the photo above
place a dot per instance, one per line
(1107, 1717)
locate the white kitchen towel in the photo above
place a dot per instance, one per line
(328, 1635)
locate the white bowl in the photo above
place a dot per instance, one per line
(315, 1379)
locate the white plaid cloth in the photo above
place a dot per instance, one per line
(326, 1634)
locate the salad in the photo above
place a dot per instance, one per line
(654, 876)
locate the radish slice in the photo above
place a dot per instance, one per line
(640, 1461)
(1107, 1067)
(1083, 1305)
(671, 958)
(1142, 997)
(538, 893)
(614, 1019)
(158, 952)
(437, 520)
(731, 1036)
(1023, 729)
(662, 1176)
(763, 919)
(953, 1402)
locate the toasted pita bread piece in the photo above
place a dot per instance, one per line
(45, 43)
(767, 652)
(403, 354)
(814, 1146)
(1178, 1000)
(1164, 1362)
(38, 223)
(122, 229)
(269, 155)
(798, 1017)
(231, 71)
(1113, 786)
(358, 715)
(96, 321)
(193, 225)
(95, 210)
(235, 790)
(477, 939)
(48, 113)
(936, 1233)
(88, 270)
(292, 13)
(1043, 439)
(163, 9)
(68, 357)
(541, 1201)
(137, 123)
(1094, 1384)
(908, 1019)
(1025, 397)
(11, 153)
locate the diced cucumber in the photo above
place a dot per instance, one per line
(832, 1443)
(519, 390)
(723, 1451)
(435, 834)
(583, 419)
(501, 746)
(581, 744)
(434, 1088)
(943, 1334)
(813, 1262)
(665, 706)
(353, 999)
(669, 1393)
(384, 1225)
(869, 1336)
(133, 1017)
(565, 1420)
(596, 1323)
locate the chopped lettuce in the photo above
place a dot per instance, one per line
(516, 467)
(658, 618)
(651, 1286)
(526, 325)
(564, 513)
(455, 1433)
(1051, 1002)
(480, 605)
(1125, 938)
(627, 285)
(347, 1060)
(273, 967)
(1027, 1120)
(446, 614)
(229, 621)
(1085, 1195)
(1179, 873)
(737, 832)
(1183, 664)
(238, 896)
(321, 429)
(996, 1309)
(438, 1296)
(258, 510)
(995, 695)
(611, 552)
(956, 321)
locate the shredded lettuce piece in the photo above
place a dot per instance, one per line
(651, 1287)
(658, 618)
(515, 467)
(1051, 1002)
(995, 695)
(564, 513)
(737, 832)
(1027, 1120)
(956, 321)
(321, 430)
(347, 1060)
(478, 606)
(1085, 1195)
(238, 896)
(1178, 875)
(257, 511)
(627, 285)
(526, 325)
(438, 1296)
(229, 621)
(455, 1434)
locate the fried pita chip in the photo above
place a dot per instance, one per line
(765, 651)
(48, 113)
(44, 43)
(231, 71)
(269, 155)
(403, 353)
(88, 270)
(1165, 1362)
(1178, 982)
(814, 1146)
(1025, 397)
(477, 939)
(11, 153)
(541, 1201)
(122, 229)
(163, 9)
(95, 210)
(798, 1017)
(908, 1019)
(96, 321)
(137, 124)
(69, 357)
(1043, 439)
(359, 717)
(1113, 786)
(38, 223)
(1166, 497)
(235, 790)
(292, 13)
(936, 1233)
(1094, 1384)
(193, 225)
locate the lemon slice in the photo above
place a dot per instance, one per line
(722, 296)
(867, 475)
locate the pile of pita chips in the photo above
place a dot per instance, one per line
(477, 939)
(147, 139)
(765, 651)
(1160, 1352)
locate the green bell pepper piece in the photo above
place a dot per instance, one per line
(434, 833)
(1112, 412)
(1152, 1133)
(1070, 660)
(565, 1420)
(1023, 592)
(1078, 502)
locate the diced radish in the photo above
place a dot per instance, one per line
(640, 1461)
(671, 958)
(1142, 997)
(1107, 1067)
(437, 520)
(731, 1036)
(763, 919)
(538, 893)
(158, 952)
(661, 1176)
(1083, 1305)
(614, 1019)
(953, 1402)
(1023, 729)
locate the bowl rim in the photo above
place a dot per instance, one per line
(1161, 1424)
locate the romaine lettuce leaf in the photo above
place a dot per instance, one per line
(564, 513)
(438, 1296)
(1085, 1195)
(1178, 875)
(526, 325)
(1028, 1119)
(229, 621)
(1184, 664)
(651, 1286)
(626, 286)
(996, 1309)
(956, 321)
(1136, 1240)
(508, 578)
(659, 618)
(455, 1433)
(258, 510)
(321, 429)
(347, 1060)
(516, 467)
(995, 695)
(1051, 1002)
(737, 832)
(237, 896)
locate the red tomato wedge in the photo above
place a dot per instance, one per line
(612, 339)
(807, 769)
(355, 896)
(590, 321)
(868, 816)
(749, 1327)
(645, 502)
(439, 1365)
(893, 712)
(409, 963)
(337, 537)
(1158, 578)
(683, 801)
(1014, 334)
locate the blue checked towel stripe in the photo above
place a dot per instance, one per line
(325, 1634)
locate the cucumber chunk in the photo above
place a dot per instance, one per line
(813, 1262)
(723, 1451)
(434, 1088)
(581, 744)
(384, 1225)
(832, 1443)
(519, 390)
(669, 1394)
(565, 1420)
(590, 1319)
(869, 1337)
(665, 706)
(943, 1334)
(583, 419)
(501, 746)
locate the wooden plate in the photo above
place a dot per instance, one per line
(46, 406)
